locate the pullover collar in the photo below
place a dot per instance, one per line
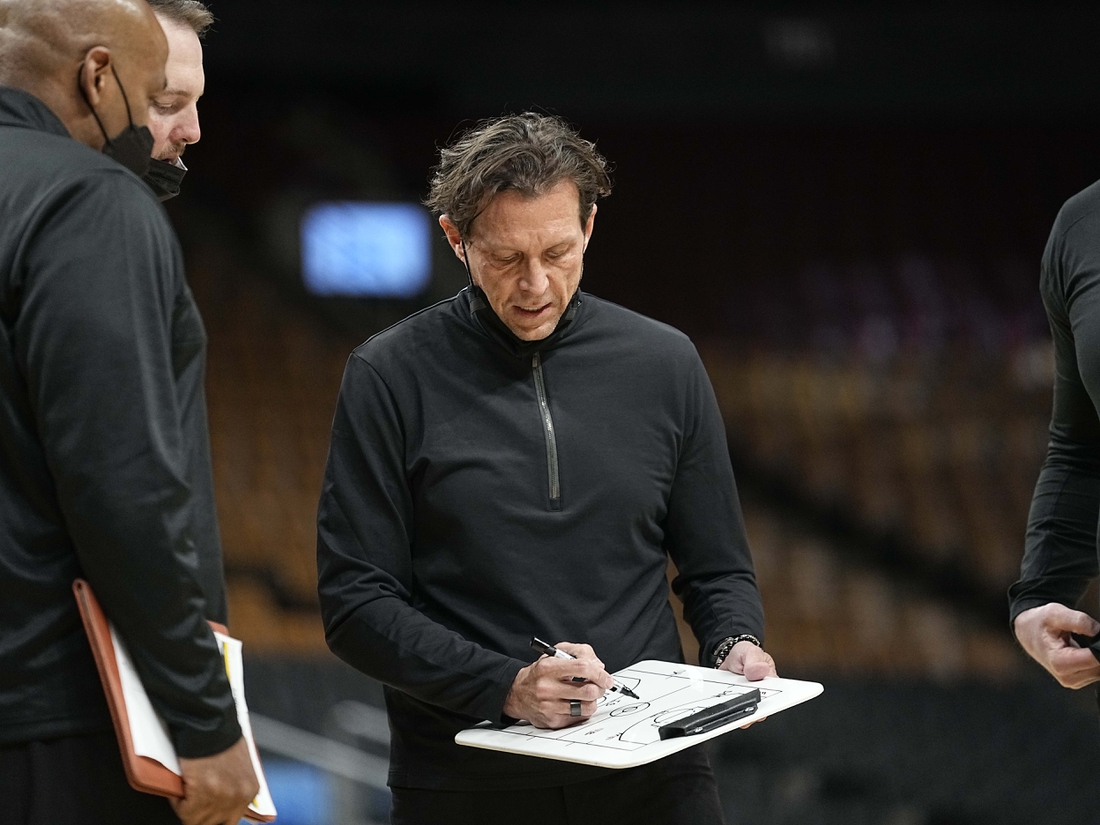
(23, 110)
(498, 331)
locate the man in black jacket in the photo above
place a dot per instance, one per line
(522, 460)
(1060, 558)
(104, 456)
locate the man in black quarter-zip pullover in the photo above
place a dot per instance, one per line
(522, 460)
(104, 453)
(1060, 557)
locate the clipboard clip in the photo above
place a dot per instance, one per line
(713, 717)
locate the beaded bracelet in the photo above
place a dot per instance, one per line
(727, 644)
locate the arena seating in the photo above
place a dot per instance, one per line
(916, 393)
(272, 380)
(830, 614)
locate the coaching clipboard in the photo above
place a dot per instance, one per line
(625, 732)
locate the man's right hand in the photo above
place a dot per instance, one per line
(542, 691)
(1045, 635)
(218, 788)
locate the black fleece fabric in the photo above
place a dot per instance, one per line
(104, 451)
(1060, 555)
(442, 547)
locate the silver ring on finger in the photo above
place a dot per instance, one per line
(574, 707)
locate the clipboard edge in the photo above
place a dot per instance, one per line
(144, 774)
(469, 737)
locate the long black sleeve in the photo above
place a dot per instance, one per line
(365, 534)
(705, 531)
(105, 332)
(1060, 556)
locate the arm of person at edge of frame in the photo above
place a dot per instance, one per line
(1060, 548)
(752, 662)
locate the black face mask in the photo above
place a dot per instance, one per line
(164, 178)
(132, 146)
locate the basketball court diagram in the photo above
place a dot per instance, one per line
(626, 724)
(624, 732)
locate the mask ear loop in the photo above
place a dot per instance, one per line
(466, 262)
(478, 301)
(125, 100)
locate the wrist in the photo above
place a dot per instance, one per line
(512, 708)
(722, 650)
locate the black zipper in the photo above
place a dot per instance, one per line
(548, 430)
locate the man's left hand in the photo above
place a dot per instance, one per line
(752, 662)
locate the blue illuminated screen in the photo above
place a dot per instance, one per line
(366, 250)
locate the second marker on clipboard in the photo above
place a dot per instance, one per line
(542, 647)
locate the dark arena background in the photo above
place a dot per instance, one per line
(843, 204)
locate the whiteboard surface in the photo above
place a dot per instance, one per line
(623, 732)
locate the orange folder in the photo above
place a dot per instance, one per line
(143, 773)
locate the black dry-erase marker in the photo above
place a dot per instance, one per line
(713, 717)
(542, 647)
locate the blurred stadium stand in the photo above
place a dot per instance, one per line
(273, 375)
(926, 424)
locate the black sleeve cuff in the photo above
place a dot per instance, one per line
(1016, 608)
(510, 672)
(196, 744)
(1028, 593)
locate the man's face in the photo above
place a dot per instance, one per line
(138, 79)
(173, 114)
(527, 255)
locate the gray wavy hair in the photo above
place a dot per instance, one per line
(528, 153)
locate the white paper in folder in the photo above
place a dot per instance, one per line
(147, 729)
(150, 733)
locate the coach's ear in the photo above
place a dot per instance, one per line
(454, 237)
(591, 222)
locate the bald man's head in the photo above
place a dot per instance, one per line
(80, 56)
